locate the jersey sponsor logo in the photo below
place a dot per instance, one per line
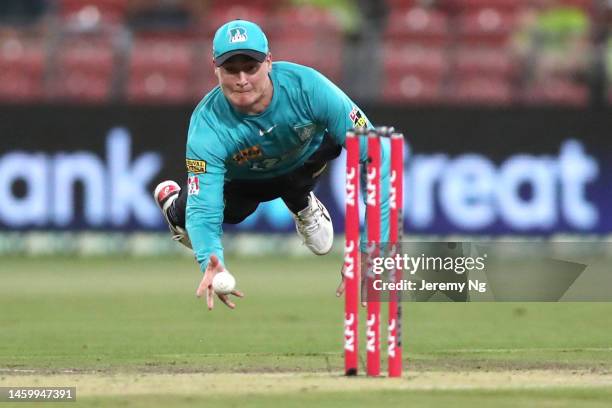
(305, 132)
(193, 185)
(195, 166)
(238, 34)
(247, 154)
(357, 118)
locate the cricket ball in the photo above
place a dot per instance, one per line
(223, 283)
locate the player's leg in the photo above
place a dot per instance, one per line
(312, 220)
(172, 201)
(240, 201)
(243, 196)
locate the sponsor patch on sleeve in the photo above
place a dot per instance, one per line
(196, 166)
(193, 185)
(357, 118)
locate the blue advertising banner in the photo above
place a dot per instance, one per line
(466, 171)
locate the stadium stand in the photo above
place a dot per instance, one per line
(22, 66)
(485, 27)
(83, 69)
(433, 52)
(308, 36)
(220, 13)
(425, 26)
(160, 71)
(92, 11)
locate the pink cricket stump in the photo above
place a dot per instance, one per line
(351, 256)
(373, 236)
(394, 346)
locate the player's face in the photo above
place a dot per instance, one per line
(245, 83)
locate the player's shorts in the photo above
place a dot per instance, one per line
(243, 196)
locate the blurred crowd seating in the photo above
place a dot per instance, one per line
(484, 52)
(488, 52)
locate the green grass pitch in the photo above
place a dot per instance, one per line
(130, 332)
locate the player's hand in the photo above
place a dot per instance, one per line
(342, 286)
(213, 268)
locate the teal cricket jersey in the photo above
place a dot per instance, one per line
(224, 144)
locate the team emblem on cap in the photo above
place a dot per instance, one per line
(238, 34)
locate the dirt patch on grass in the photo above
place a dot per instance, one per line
(328, 366)
(101, 384)
(485, 364)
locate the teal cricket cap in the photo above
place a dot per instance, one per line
(239, 37)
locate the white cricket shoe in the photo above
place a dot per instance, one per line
(165, 194)
(314, 226)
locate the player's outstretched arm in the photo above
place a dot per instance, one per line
(214, 267)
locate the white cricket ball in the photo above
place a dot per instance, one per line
(223, 283)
